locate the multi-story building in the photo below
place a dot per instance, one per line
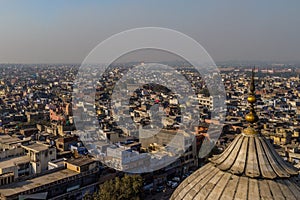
(205, 101)
(39, 154)
(79, 177)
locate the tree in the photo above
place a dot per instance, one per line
(107, 191)
(128, 187)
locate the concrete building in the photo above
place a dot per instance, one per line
(126, 159)
(206, 101)
(39, 154)
(17, 167)
(78, 177)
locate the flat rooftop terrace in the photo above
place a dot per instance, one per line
(13, 161)
(22, 186)
(36, 147)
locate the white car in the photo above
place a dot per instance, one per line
(174, 185)
(169, 183)
(177, 179)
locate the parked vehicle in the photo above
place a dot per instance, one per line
(177, 179)
(169, 183)
(160, 188)
(174, 185)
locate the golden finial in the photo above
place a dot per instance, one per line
(251, 117)
(252, 85)
(251, 98)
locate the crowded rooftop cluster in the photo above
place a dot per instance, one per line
(44, 154)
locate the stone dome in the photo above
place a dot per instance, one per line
(249, 168)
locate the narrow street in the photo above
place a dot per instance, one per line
(160, 195)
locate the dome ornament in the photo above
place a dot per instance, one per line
(251, 117)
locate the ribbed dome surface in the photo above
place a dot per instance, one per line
(253, 156)
(249, 168)
(209, 182)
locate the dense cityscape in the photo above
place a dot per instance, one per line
(44, 156)
(149, 100)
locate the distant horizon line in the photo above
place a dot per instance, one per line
(170, 61)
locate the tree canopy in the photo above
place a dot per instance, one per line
(128, 187)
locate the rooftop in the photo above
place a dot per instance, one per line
(18, 187)
(37, 147)
(80, 161)
(6, 139)
(13, 161)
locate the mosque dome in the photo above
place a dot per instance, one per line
(249, 168)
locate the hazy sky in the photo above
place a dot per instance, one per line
(58, 31)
